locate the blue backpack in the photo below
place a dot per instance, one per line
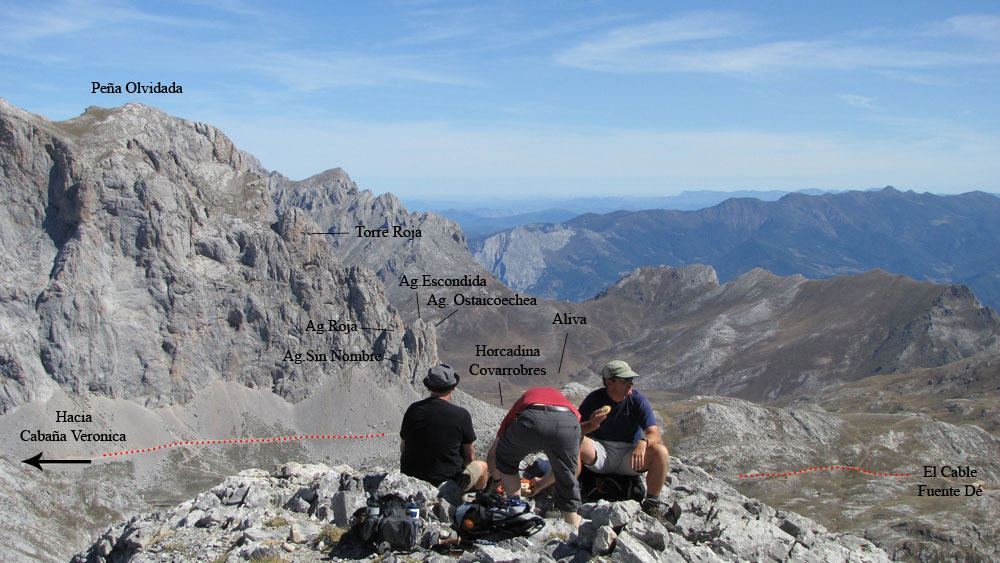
(491, 514)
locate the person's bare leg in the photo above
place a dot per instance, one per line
(491, 461)
(511, 485)
(588, 455)
(543, 482)
(657, 463)
(484, 475)
(572, 518)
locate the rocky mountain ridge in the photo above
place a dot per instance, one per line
(300, 513)
(765, 336)
(698, 336)
(139, 261)
(945, 239)
(148, 290)
(413, 244)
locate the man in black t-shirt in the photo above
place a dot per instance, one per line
(436, 438)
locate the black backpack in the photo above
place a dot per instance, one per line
(491, 514)
(392, 528)
(594, 487)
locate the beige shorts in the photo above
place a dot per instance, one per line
(613, 458)
(475, 472)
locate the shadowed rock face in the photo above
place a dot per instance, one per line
(139, 261)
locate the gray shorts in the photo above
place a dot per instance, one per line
(557, 433)
(613, 457)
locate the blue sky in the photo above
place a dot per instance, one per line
(440, 99)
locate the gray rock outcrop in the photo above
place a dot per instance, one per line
(139, 261)
(255, 514)
(336, 204)
(881, 498)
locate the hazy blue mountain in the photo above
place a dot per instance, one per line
(485, 217)
(953, 239)
(479, 226)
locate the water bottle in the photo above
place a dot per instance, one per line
(413, 511)
(373, 508)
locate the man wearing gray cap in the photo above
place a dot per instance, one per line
(436, 438)
(622, 435)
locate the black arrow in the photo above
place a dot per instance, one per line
(446, 318)
(565, 340)
(37, 461)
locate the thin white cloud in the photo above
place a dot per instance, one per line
(314, 72)
(629, 45)
(27, 30)
(984, 27)
(435, 24)
(42, 20)
(858, 101)
(687, 27)
(238, 7)
(703, 43)
(491, 28)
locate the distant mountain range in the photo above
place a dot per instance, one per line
(678, 325)
(953, 239)
(482, 218)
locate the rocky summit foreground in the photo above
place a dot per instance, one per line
(301, 512)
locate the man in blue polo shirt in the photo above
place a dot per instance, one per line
(626, 440)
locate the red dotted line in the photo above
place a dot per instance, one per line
(255, 441)
(843, 467)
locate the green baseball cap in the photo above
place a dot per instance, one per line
(619, 369)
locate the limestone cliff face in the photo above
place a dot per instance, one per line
(334, 201)
(139, 260)
(517, 256)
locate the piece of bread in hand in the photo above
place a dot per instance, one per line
(603, 410)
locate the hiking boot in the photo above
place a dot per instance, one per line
(653, 507)
(493, 486)
(658, 509)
